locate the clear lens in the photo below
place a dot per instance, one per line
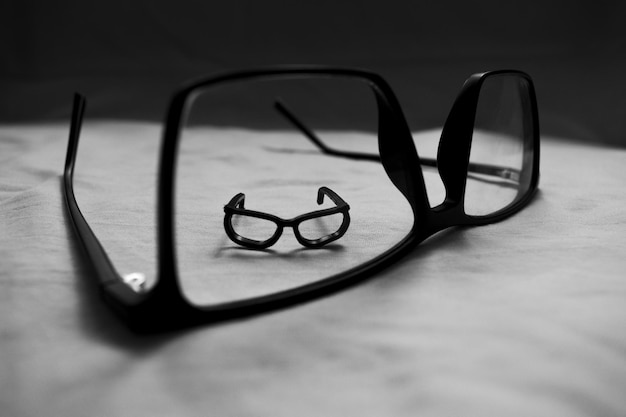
(253, 227)
(501, 152)
(237, 138)
(320, 227)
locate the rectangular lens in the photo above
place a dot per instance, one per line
(501, 151)
(236, 140)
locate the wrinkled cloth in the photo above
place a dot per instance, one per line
(523, 317)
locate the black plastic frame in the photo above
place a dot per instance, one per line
(236, 206)
(164, 307)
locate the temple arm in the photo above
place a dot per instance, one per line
(339, 202)
(474, 168)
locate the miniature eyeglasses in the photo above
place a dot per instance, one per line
(257, 230)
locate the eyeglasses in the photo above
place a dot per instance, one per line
(487, 162)
(313, 230)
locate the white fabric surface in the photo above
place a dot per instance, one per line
(524, 317)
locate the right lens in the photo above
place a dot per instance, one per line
(501, 152)
(319, 227)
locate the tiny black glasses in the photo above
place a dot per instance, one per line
(487, 162)
(257, 230)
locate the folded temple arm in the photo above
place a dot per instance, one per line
(506, 173)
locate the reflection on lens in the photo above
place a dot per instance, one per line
(234, 140)
(320, 227)
(501, 142)
(253, 227)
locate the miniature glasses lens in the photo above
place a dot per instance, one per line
(253, 228)
(320, 227)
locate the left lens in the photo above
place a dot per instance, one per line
(236, 140)
(253, 228)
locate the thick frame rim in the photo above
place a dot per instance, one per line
(164, 307)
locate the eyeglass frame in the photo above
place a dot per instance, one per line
(164, 306)
(236, 207)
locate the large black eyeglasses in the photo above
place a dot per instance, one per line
(288, 132)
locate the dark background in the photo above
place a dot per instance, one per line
(129, 56)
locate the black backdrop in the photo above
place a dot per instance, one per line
(128, 56)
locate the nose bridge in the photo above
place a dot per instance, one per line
(289, 223)
(291, 232)
(290, 226)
